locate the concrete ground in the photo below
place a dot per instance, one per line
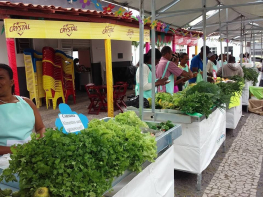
(82, 102)
(238, 172)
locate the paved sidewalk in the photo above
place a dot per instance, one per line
(239, 172)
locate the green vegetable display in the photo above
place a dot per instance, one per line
(218, 98)
(163, 126)
(167, 101)
(5, 192)
(238, 79)
(231, 88)
(197, 103)
(163, 101)
(82, 165)
(250, 74)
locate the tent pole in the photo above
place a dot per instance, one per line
(261, 48)
(11, 52)
(245, 38)
(196, 49)
(227, 45)
(108, 57)
(250, 48)
(221, 45)
(254, 50)
(153, 57)
(147, 47)
(188, 53)
(141, 49)
(241, 43)
(173, 43)
(204, 39)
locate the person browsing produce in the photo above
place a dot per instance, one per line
(211, 65)
(175, 59)
(219, 62)
(197, 63)
(230, 69)
(18, 115)
(166, 68)
(147, 75)
(184, 58)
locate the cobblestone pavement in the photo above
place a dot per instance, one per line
(241, 162)
(239, 172)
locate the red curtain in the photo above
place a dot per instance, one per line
(11, 51)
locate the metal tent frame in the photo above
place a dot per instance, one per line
(163, 13)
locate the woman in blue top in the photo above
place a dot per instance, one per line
(19, 116)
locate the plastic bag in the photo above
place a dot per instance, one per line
(134, 102)
(199, 77)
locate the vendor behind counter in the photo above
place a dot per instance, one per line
(18, 115)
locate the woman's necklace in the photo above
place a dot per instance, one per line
(3, 101)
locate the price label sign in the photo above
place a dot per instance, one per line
(214, 75)
(69, 121)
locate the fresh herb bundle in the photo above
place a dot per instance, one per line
(250, 74)
(197, 103)
(218, 98)
(238, 79)
(163, 126)
(81, 165)
(231, 88)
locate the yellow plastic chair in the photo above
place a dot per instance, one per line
(31, 79)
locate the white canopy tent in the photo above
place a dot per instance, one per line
(232, 19)
(237, 19)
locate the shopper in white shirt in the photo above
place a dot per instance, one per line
(211, 65)
(147, 75)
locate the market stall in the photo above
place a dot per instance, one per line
(245, 93)
(145, 148)
(251, 79)
(55, 29)
(156, 179)
(201, 138)
(234, 113)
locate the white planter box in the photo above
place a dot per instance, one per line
(233, 116)
(154, 181)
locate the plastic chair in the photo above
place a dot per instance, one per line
(94, 99)
(31, 78)
(119, 95)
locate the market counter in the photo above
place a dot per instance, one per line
(156, 178)
(199, 143)
(245, 93)
(201, 138)
(233, 116)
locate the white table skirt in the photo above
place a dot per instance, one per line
(200, 141)
(156, 180)
(245, 93)
(233, 116)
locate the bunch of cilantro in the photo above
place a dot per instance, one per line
(250, 74)
(197, 103)
(219, 99)
(81, 165)
(232, 88)
(202, 97)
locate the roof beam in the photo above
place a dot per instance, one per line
(87, 18)
(126, 5)
(238, 30)
(232, 22)
(166, 7)
(191, 11)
